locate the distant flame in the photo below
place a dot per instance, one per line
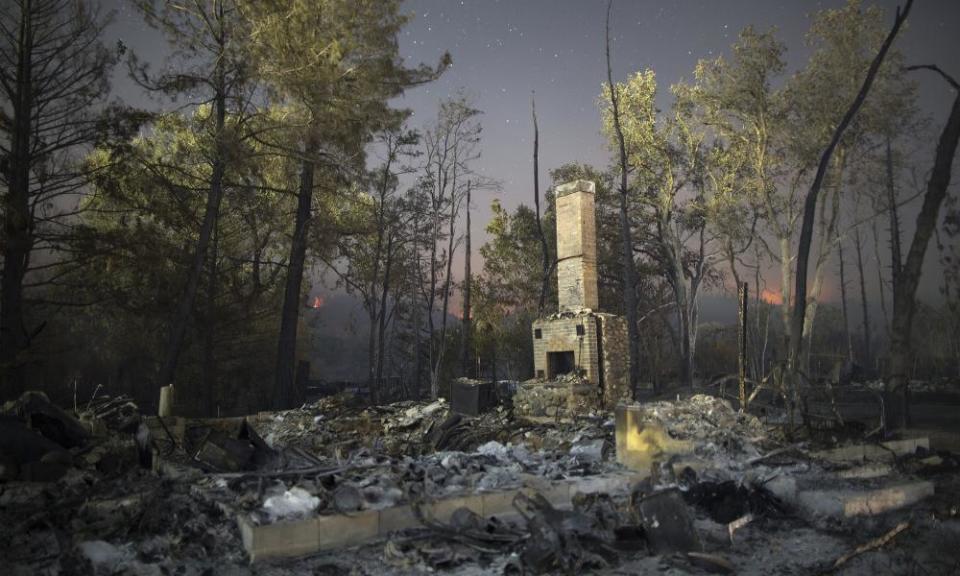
(771, 297)
(318, 302)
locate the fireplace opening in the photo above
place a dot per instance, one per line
(560, 363)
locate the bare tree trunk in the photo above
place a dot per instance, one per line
(810, 203)
(907, 280)
(828, 235)
(867, 335)
(417, 320)
(880, 281)
(447, 281)
(376, 306)
(742, 299)
(290, 314)
(384, 293)
(209, 331)
(430, 302)
(372, 381)
(178, 327)
(466, 345)
(843, 304)
(685, 325)
(896, 252)
(544, 282)
(786, 281)
(626, 239)
(17, 218)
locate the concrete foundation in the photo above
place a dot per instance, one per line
(848, 503)
(316, 533)
(883, 451)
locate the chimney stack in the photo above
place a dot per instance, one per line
(576, 246)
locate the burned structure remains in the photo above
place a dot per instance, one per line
(578, 339)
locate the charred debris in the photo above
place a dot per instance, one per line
(682, 486)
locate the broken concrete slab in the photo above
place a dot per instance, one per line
(396, 518)
(442, 510)
(883, 451)
(889, 498)
(851, 502)
(317, 533)
(280, 539)
(499, 503)
(612, 483)
(340, 530)
(867, 471)
(713, 563)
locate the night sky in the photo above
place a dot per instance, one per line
(504, 50)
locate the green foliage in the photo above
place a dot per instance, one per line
(337, 63)
(137, 233)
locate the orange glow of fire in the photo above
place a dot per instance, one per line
(318, 302)
(771, 297)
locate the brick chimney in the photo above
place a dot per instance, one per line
(576, 246)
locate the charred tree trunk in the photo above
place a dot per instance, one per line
(907, 280)
(843, 304)
(880, 281)
(417, 309)
(181, 319)
(629, 279)
(828, 235)
(545, 253)
(384, 297)
(810, 203)
(445, 297)
(17, 219)
(896, 252)
(686, 354)
(290, 314)
(372, 325)
(209, 331)
(466, 344)
(742, 299)
(867, 335)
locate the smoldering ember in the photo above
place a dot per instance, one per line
(479, 288)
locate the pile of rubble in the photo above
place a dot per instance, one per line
(717, 428)
(334, 428)
(41, 442)
(77, 496)
(415, 487)
(568, 396)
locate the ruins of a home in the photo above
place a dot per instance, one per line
(569, 474)
(579, 339)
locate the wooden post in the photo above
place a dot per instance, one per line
(742, 344)
(166, 401)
